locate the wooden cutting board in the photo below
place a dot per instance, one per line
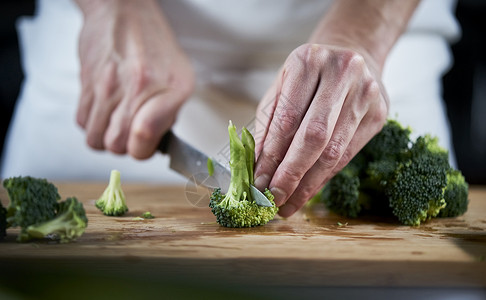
(313, 247)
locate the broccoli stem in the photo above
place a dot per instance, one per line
(239, 188)
(249, 144)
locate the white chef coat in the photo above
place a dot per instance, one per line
(236, 48)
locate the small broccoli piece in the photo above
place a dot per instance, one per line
(69, 223)
(3, 221)
(112, 201)
(236, 208)
(32, 201)
(455, 195)
(147, 215)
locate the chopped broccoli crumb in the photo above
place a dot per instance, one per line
(147, 215)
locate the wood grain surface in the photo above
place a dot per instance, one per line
(312, 248)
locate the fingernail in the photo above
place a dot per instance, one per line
(280, 196)
(262, 181)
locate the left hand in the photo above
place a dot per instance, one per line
(324, 106)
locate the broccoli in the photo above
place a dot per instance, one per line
(455, 195)
(32, 201)
(392, 174)
(3, 221)
(236, 208)
(69, 223)
(416, 189)
(112, 201)
(147, 215)
(342, 195)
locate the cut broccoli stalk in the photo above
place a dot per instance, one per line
(112, 201)
(69, 223)
(236, 208)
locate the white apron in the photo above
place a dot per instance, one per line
(236, 48)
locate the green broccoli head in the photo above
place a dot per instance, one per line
(112, 201)
(32, 201)
(236, 208)
(416, 192)
(394, 175)
(3, 221)
(390, 143)
(341, 194)
(69, 223)
(455, 195)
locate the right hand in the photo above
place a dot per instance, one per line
(134, 76)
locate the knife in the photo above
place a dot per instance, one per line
(192, 163)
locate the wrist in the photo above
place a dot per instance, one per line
(369, 27)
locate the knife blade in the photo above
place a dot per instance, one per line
(192, 164)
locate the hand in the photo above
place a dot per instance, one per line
(134, 76)
(325, 105)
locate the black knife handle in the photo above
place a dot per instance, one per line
(164, 142)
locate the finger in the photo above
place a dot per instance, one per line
(315, 177)
(85, 100)
(106, 98)
(353, 133)
(151, 121)
(298, 85)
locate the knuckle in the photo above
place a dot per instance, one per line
(332, 153)
(316, 134)
(144, 131)
(270, 160)
(141, 76)
(306, 192)
(286, 121)
(307, 54)
(355, 61)
(291, 176)
(371, 89)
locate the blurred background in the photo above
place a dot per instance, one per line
(464, 84)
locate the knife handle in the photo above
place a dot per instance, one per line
(164, 142)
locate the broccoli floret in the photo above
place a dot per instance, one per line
(455, 195)
(32, 201)
(394, 175)
(341, 193)
(3, 221)
(112, 201)
(390, 143)
(236, 208)
(416, 192)
(69, 223)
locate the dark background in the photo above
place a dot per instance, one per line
(464, 84)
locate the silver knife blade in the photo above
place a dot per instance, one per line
(192, 164)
